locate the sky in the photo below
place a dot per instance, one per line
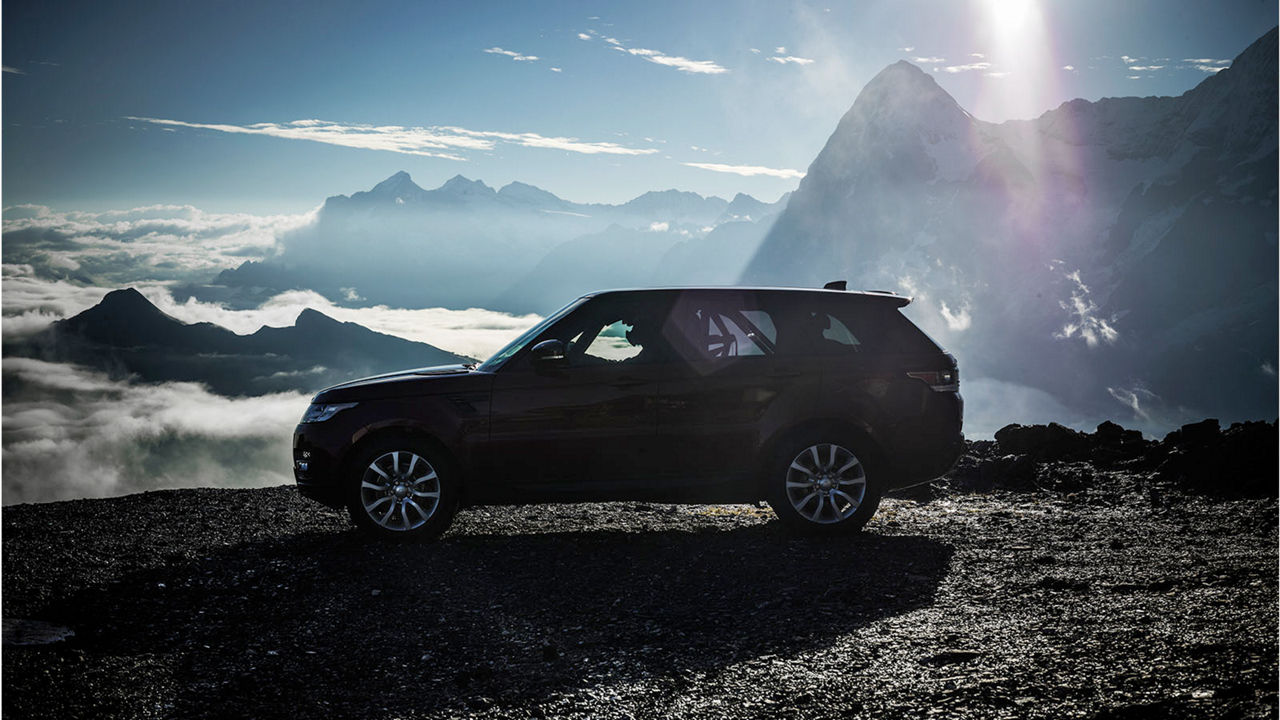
(270, 107)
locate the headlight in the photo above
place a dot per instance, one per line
(319, 413)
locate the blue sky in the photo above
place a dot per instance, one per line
(236, 106)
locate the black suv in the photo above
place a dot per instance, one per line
(818, 401)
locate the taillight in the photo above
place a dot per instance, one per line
(940, 380)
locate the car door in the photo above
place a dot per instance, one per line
(585, 429)
(730, 394)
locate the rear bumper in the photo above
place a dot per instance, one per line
(929, 447)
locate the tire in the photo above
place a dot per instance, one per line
(824, 484)
(402, 489)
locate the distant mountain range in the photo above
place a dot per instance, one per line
(126, 336)
(1118, 251)
(465, 244)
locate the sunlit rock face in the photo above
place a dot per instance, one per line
(1113, 253)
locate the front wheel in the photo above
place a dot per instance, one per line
(824, 485)
(402, 490)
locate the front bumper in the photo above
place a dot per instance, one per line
(316, 467)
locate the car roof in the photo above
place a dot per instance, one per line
(875, 295)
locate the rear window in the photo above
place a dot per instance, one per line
(822, 325)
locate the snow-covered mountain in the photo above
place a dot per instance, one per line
(1118, 252)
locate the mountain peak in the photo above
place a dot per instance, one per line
(127, 302)
(459, 185)
(904, 92)
(399, 185)
(313, 318)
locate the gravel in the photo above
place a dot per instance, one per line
(1111, 600)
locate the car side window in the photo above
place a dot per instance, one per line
(611, 343)
(838, 333)
(720, 328)
(812, 331)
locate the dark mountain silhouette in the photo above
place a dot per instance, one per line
(125, 335)
(1122, 250)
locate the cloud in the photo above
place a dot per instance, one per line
(747, 170)
(683, 64)
(980, 56)
(117, 438)
(755, 50)
(659, 227)
(967, 67)
(15, 71)
(556, 69)
(1206, 61)
(1140, 68)
(1211, 68)
(997, 74)
(1128, 60)
(1068, 67)
(929, 60)
(906, 49)
(152, 243)
(436, 141)
(511, 54)
(785, 59)
(959, 320)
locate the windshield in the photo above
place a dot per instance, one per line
(514, 346)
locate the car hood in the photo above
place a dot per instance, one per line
(418, 381)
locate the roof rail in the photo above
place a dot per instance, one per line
(836, 285)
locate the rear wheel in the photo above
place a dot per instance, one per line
(824, 484)
(402, 490)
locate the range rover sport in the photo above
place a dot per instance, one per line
(817, 401)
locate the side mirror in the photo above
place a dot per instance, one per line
(549, 354)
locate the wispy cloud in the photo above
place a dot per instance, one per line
(792, 59)
(437, 141)
(929, 60)
(556, 69)
(1068, 67)
(967, 67)
(8, 69)
(1128, 60)
(1143, 68)
(1208, 65)
(683, 64)
(980, 56)
(906, 49)
(748, 170)
(1002, 74)
(511, 54)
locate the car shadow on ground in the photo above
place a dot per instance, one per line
(336, 623)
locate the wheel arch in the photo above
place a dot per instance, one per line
(413, 433)
(843, 427)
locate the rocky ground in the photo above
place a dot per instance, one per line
(1054, 574)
